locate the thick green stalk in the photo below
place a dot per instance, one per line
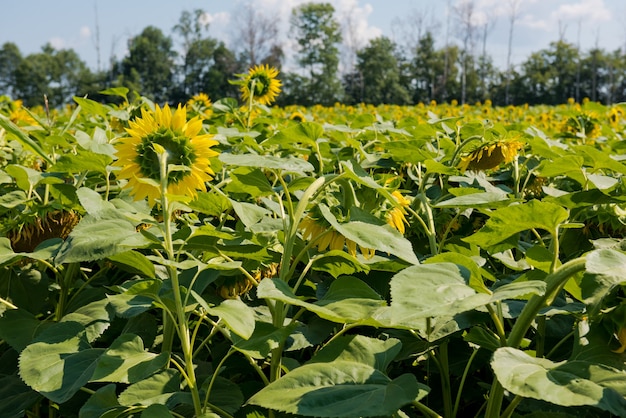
(554, 283)
(182, 325)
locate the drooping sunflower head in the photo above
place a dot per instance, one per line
(187, 151)
(491, 155)
(327, 238)
(396, 216)
(261, 84)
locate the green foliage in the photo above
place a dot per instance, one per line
(339, 267)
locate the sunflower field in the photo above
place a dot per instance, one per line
(227, 258)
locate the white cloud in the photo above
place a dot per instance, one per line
(221, 18)
(85, 32)
(589, 10)
(57, 42)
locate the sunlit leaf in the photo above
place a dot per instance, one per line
(339, 389)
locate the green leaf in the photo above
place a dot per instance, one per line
(225, 394)
(288, 164)
(606, 269)
(95, 317)
(210, 203)
(126, 361)
(431, 290)
(476, 200)
(360, 349)
(338, 263)
(339, 389)
(348, 300)
(305, 133)
(133, 262)
(506, 222)
(24, 139)
(573, 383)
(248, 213)
(381, 238)
(559, 166)
(94, 239)
(25, 178)
(102, 402)
(18, 328)
(16, 397)
(263, 340)
(237, 316)
(522, 289)
(156, 411)
(7, 255)
(161, 388)
(82, 162)
(59, 362)
(249, 180)
(476, 279)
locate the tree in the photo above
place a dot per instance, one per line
(513, 13)
(57, 74)
(318, 35)
(549, 75)
(149, 65)
(10, 60)
(195, 50)
(257, 33)
(377, 67)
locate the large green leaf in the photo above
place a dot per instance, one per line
(573, 383)
(16, 397)
(18, 328)
(82, 162)
(103, 403)
(225, 394)
(59, 362)
(289, 164)
(263, 340)
(126, 361)
(306, 133)
(15, 130)
(237, 316)
(249, 180)
(377, 237)
(360, 349)
(431, 290)
(95, 239)
(605, 269)
(339, 389)
(160, 388)
(506, 222)
(338, 263)
(133, 262)
(348, 300)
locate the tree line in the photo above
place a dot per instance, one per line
(174, 67)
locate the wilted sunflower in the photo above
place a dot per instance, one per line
(261, 83)
(491, 155)
(185, 148)
(396, 216)
(332, 240)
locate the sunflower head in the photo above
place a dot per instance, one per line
(396, 217)
(200, 104)
(491, 155)
(327, 238)
(188, 153)
(261, 84)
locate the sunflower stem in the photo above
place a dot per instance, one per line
(182, 327)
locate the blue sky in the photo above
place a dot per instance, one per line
(72, 23)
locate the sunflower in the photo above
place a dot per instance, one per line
(396, 216)
(186, 149)
(200, 104)
(491, 155)
(331, 239)
(261, 84)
